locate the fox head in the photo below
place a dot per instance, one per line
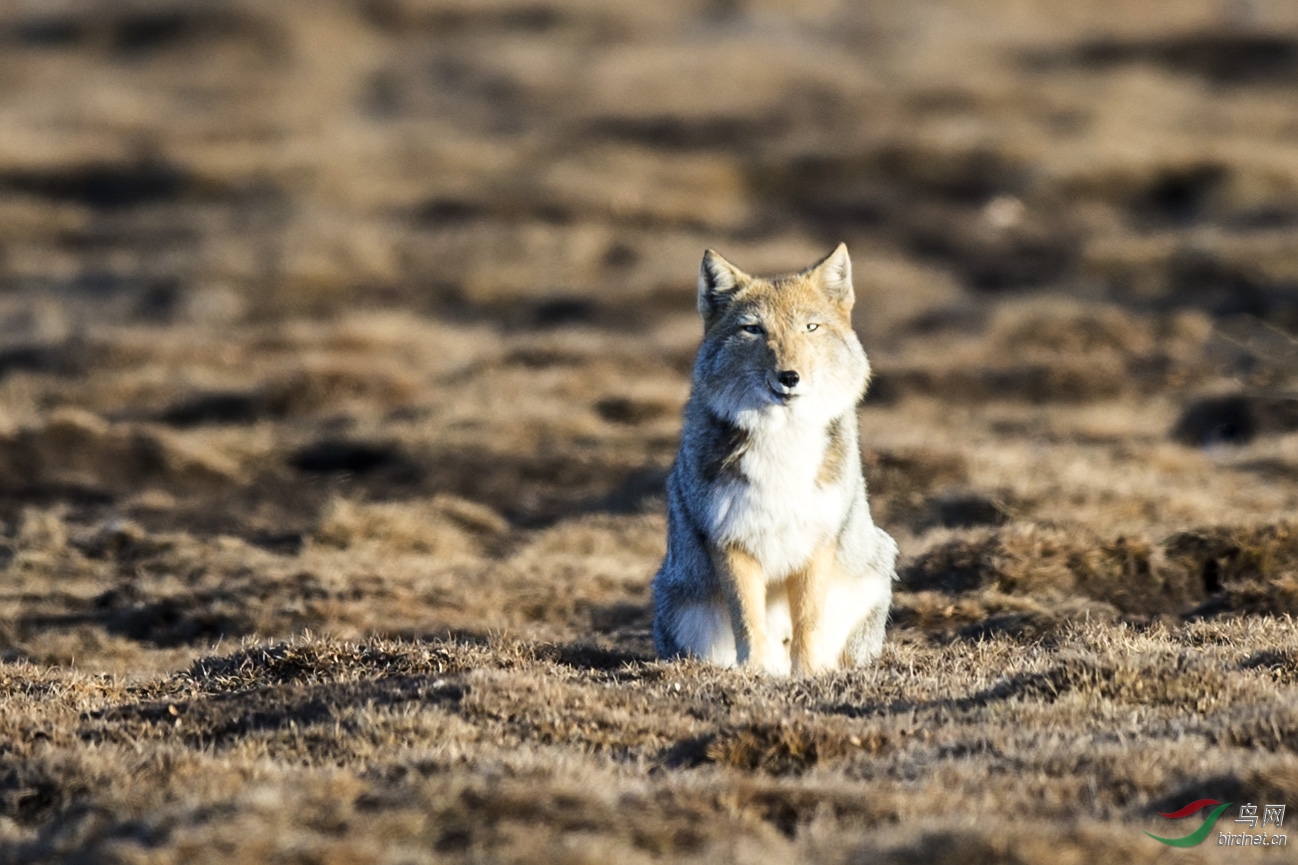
(779, 344)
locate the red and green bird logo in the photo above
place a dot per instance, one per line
(1199, 834)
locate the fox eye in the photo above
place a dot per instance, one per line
(811, 327)
(755, 329)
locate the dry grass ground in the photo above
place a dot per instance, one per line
(342, 349)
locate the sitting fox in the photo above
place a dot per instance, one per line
(772, 559)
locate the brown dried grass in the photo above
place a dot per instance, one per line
(342, 349)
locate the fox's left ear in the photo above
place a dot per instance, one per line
(834, 273)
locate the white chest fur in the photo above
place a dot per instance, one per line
(778, 511)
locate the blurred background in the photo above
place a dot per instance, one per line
(544, 163)
(269, 268)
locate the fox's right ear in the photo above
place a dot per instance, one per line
(718, 282)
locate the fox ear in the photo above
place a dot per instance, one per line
(834, 272)
(718, 282)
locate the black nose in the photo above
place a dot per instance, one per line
(788, 378)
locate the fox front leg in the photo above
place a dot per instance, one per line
(743, 584)
(807, 589)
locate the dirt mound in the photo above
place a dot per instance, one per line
(77, 450)
(1211, 570)
(775, 749)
